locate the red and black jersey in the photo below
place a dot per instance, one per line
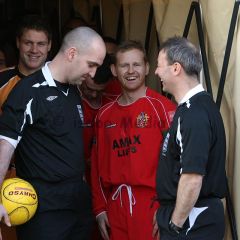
(8, 79)
(128, 142)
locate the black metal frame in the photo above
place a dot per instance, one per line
(227, 53)
(149, 29)
(195, 7)
(120, 24)
(96, 17)
(222, 81)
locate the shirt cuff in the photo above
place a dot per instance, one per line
(13, 142)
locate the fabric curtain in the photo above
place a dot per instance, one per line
(169, 20)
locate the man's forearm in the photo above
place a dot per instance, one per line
(189, 187)
(6, 152)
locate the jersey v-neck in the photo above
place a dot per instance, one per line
(64, 87)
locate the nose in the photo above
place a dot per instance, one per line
(156, 71)
(130, 69)
(34, 48)
(93, 72)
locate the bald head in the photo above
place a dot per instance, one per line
(82, 51)
(82, 38)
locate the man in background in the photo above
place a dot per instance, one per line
(93, 98)
(33, 40)
(113, 87)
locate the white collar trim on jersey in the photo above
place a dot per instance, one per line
(48, 76)
(199, 88)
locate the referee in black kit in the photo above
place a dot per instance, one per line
(42, 119)
(191, 174)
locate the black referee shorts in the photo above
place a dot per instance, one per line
(205, 222)
(64, 212)
(57, 225)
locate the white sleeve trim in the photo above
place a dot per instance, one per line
(13, 142)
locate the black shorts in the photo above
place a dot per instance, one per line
(64, 213)
(57, 225)
(206, 221)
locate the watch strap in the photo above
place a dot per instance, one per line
(174, 227)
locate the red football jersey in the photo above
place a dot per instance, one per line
(128, 143)
(90, 113)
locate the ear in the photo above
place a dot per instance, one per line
(147, 68)
(49, 45)
(113, 69)
(177, 68)
(71, 53)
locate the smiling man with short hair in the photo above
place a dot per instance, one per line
(33, 40)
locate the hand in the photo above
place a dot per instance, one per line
(155, 233)
(103, 224)
(4, 215)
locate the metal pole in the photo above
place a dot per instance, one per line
(227, 53)
(59, 20)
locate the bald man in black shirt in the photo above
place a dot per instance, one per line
(42, 119)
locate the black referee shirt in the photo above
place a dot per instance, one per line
(43, 119)
(195, 143)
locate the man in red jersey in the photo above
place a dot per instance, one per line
(93, 98)
(129, 134)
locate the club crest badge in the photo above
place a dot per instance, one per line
(142, 120)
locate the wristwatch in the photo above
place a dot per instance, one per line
(174, 227)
